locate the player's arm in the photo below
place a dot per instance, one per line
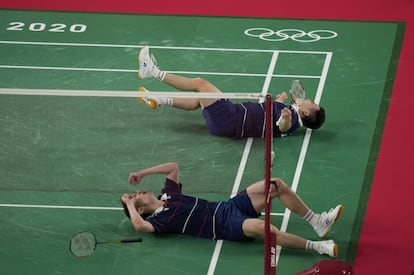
(285, 121)
(137, 221)
(170, 169)
(281, 97)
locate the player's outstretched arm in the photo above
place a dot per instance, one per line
(170, 169)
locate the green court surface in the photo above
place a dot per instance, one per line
(65, 160)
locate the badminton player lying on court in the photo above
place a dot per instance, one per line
(236, 219)
(225, 118)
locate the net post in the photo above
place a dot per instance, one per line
(270, 238)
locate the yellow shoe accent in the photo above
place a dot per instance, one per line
(150, 102)
(335, 250)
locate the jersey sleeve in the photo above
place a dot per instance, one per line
(278, 107)
(158, 222)
(171, 186)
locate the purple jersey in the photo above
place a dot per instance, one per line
(183, 214)
(240, 120)
(201, 218)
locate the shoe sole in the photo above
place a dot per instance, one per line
(152, 104)
(335, 250)
(341, 209)
(139, 60)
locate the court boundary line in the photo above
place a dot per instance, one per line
(41, 43)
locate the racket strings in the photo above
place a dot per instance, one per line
(83, 244)
(297, 92)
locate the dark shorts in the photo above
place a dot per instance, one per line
(231, 215)
(224, 118)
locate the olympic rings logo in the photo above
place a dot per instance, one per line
(294, 34)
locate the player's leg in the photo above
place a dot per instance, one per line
(255, 228)
(188, 104)
(278, 189)
(184, 84)
(321, 223)
(197, 84)
(148, 69)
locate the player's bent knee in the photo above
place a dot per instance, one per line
(199, 83)
(278, 187)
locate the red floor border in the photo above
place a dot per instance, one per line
(386, 237)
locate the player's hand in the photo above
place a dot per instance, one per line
(281, 97)
(135, 178)
(286, 113)
(126, 198)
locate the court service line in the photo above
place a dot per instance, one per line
(304, 148)
(243, 162)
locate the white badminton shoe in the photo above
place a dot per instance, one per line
(327, 247)
(150, 102)
(327, 219)
(147, 64)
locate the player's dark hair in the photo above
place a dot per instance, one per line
(126, 211)
(315, 119)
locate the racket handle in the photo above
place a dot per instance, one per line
(136, 240)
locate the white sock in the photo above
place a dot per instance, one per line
(158, 74)
(311, 218)
(165, 101)
(312, 245)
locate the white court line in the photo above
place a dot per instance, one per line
(54, 68)
(273, 213)
(60, 206)
(51, 206)
(42, 43)
(243, 162)
(100, 93)
(304, 148)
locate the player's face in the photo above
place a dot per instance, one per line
(307, 107)
(143, 197)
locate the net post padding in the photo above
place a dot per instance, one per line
(328, 267)
(270, 238)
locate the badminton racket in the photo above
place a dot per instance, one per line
(84, 243)
(297, 92)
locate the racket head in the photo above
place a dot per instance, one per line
(83, 244)
(297, 92)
